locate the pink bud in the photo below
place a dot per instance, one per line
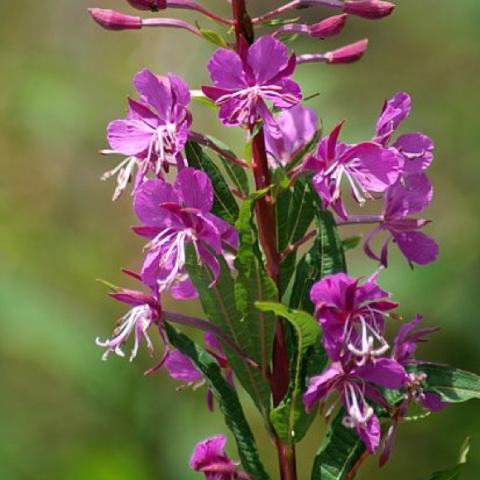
(372, 9)
(329, 27)
(348, 54)
(112, 20)
(152, 5)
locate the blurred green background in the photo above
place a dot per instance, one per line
(66, 415)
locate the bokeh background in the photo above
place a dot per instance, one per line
(66, 415)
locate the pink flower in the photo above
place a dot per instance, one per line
(416, 149)
(367, 167)
(245, 81)
(155, 130)
(354, 385)
(408, 197)
(145, 312)
(352, 317)
(173, 217)
(209, 458)
(297, 126)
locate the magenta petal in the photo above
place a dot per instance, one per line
(370, 434)
(184, 290)
(384, 372)
(195, 189)
(155, 91)
(417, 247)
(433, 402)
(267, 57)
(129, 137)
(394, 112)
(139, 111)
(413, 195)
(298, 126)
(148, 200)
(181, 368)
(319, 386)
(378, 167)
(417, 149)
(180, 90)
(226, 70)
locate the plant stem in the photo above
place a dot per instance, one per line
(265, 214)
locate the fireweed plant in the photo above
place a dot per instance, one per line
(296, 332)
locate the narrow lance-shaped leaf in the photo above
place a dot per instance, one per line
(225, 205)
(227, 399)
(326, 257)
(289, 418)
(339, 453)
(236, 173)
(219, 305)
(253, 284)
(294, 211)
(452, 384)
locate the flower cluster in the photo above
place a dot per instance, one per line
(353, 317)
(180, 203)
(378, 169)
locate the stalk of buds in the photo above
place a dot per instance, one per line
(272, 316)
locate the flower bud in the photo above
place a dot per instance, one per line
(112, 20)
(372, 9)
(348, 54)
(152, 5)
(329, 27)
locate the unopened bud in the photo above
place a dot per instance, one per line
(348, 54)
(112, 20)
(152, 5)
(329, 27)
(372, 9)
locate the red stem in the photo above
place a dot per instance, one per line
(265, 213)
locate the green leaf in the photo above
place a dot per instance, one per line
(310, 147)
(227, 399)
(351, 242)
(341, 450)
(213, 37)
(224, 205)
(205, 101)
(294, 213)
(326, 257)
(277, 22)
(219, 305)
(453, 385)
(454, 473)
(253, 284)
(289, 418)
(236, 173)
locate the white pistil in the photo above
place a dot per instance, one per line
(358, 410)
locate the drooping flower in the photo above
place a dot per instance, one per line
(403, 351)
(410, 196)
(355, 385)
(145, 312)
(155, 130)
(173, 217)
(243, 82)
(352, 317)
(416, 149)
(367, 167)
(210, 458)
(298, 126)
(181, 368)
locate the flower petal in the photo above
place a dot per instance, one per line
(129, 137)
(226, 70)
(267, 57)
